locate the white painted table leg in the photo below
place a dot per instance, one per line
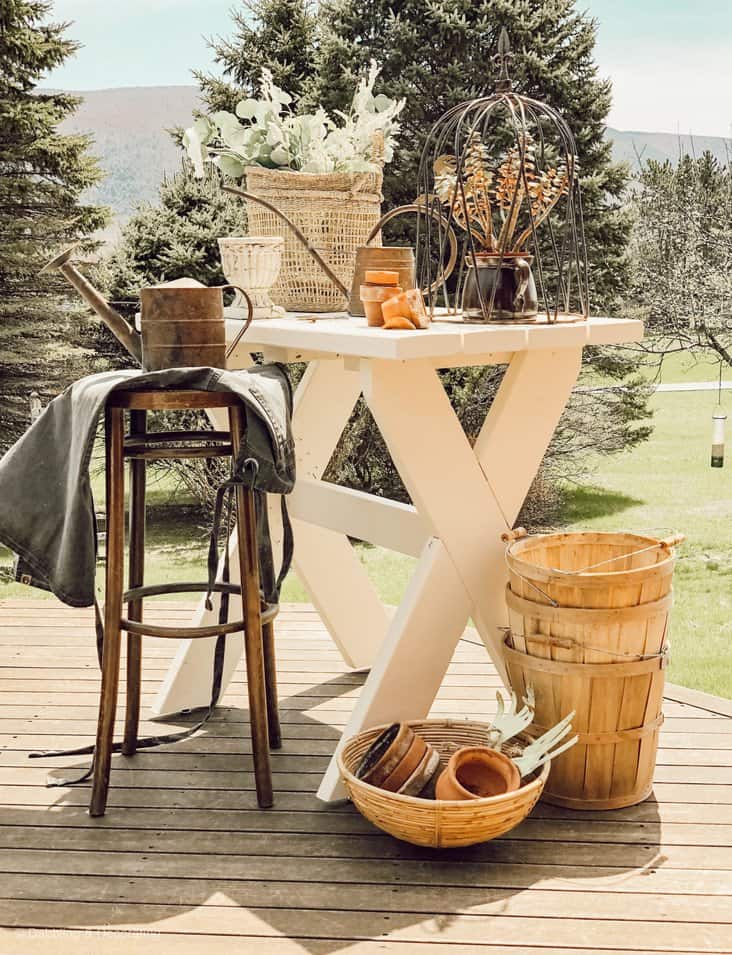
(325, 560)
(413, 660)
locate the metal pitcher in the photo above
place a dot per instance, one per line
(182, 321)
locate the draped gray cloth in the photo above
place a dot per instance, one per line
(46, 505)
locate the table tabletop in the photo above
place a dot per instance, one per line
(337, 333)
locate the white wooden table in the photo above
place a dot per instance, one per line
(464, 497)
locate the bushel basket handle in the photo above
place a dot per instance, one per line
(672, 541)
(436, 214)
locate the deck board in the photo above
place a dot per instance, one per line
(184, 862)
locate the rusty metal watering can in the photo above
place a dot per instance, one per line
(182, 321)
(392, 258)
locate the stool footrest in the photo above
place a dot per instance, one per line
(180, 633)
(143, 629)
(168, 454)
(149, 438)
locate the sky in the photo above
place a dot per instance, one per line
(670, 60)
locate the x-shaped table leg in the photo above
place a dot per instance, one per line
(469, 496)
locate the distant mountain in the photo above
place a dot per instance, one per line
(129, 126)
(130, 131)
(635, 146)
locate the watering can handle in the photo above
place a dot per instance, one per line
(248, 320)
(436, 214)
(234, 190)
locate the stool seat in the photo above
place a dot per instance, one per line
(138, 447)
(172, 399)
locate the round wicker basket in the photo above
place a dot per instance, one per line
(440, 823)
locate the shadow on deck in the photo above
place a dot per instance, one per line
(184, 857)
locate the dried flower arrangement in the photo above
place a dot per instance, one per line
(487, 199)
(269, 132)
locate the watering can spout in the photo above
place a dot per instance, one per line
(119, 327)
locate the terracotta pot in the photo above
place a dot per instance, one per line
(422, 781)
(385, 754)
(372, 310)
(379, 293)
(406, 767)
(476, 772)
(372, 296)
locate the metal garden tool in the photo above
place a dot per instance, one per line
(540, 751)
(512, 721)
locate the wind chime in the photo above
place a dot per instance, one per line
(718, 419)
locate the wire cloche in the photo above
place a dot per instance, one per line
(501, 171)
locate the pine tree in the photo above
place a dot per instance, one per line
(276, 34)
(441, 53)
(175, 238)
(42, 175)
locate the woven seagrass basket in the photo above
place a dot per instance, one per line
(440, 823)
(335, 211)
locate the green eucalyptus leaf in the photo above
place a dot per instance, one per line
(280, 156)
(247, 109)
(230, 167)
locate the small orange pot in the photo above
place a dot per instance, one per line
(406, 767)
(372, 297)
(477, 772)
(385, 753)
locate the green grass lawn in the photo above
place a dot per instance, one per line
(684, 367)
(664, 485)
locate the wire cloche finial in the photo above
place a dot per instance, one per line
(502, 59)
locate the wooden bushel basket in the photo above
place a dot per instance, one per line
(586, 635)
(583, 569)
(618, 719)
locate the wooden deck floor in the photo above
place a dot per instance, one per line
(185, 863)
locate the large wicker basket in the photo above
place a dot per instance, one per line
(335, 211)
(439, 823)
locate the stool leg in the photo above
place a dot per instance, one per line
(115, 476)
(136, 579)
(270, 679)
(253, 648)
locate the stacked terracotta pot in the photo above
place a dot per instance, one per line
(386, 303)
(588, 615)
(400, 761)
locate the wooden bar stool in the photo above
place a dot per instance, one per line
(139, 447)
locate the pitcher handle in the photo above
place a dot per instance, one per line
(248, 320)
(436, 214)
(524, 271)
